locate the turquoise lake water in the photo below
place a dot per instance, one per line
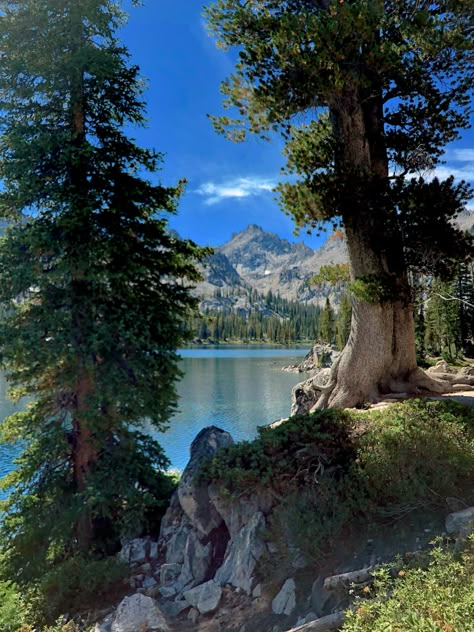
(234, 388)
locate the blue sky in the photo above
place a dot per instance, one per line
(229, 185)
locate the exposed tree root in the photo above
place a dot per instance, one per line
(339, 394)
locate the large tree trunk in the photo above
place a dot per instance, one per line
(84, 458)
(380, 355)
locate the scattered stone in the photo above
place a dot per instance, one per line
(149, 582)
(285, 601)
(174, 608)
(134, 552)
(460, 521)
(168, 592)
(145, 568)
(257, 591)
(153, 550)
(169, 573)
(153, 592)
(138, 612)
(205, 597)
(440, 367)
(193, 615)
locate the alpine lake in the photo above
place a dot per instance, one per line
(236, 388)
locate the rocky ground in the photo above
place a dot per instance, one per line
(201, 575)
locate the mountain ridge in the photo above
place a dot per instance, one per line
(254, 261)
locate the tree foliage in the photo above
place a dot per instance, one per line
(94, 289)
(366, 95)
(410, 64)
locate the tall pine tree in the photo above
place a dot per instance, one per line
(94, 289)
(365, 92)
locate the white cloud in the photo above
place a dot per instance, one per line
(459, 163)
(465, 172)
(237, 188)
(463, 155)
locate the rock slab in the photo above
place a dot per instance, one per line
(460, 521)
(138, 612)
(205, 597)
(242, 555)
(285, 601)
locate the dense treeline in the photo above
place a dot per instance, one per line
(444, 318)
(271, 318)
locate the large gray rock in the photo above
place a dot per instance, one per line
(205, 597)
(460, 522)
(138, 613)
(239, 512)
(285, 601)
(193, 495)
(197, 562)
(242, 555)
(176, 542)
(169, 573)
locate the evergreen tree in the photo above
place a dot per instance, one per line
(94, 289)
(443, 325)
(343, 322)
(355, 86)
(327, 324)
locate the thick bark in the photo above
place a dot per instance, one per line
(84, 458)
(380, 355)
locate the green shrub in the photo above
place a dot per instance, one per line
(296, 453)
(13, 608)
(77, 585)
(335, 469)
(439, 598)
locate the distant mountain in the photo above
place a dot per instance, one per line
(255, 261)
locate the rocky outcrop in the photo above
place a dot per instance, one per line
(320, 356)
(194, 496)
(242, 555)
(203, 536)
(204, 565)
